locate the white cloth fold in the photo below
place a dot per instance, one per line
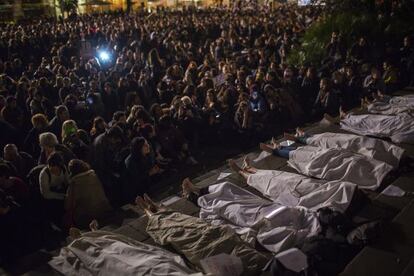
(370, 147)
(104, 253)
(292, 189)
(399, 128)
(276, 227)
(338, 164)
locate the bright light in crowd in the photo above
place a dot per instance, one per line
(104, 56)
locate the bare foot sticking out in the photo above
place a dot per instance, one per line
(94, 225)
(151, 204)
(141, 203)
(265, 147)
(247, 167)
(342, 113)
(188, 187)
(74, 233)
(233, 165)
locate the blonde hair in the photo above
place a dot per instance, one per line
(69, 128)
(39, 120)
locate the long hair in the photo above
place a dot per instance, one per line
(154, 58)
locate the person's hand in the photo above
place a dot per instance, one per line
(189, 113)
(155, 170)
(180, 111)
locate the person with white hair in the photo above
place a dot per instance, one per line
(49, 144)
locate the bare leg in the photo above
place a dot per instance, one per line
(289, 136)
(140, 202)
(330, 119)
(232, 164)
(247, 167)
(266, 148)
(154, 207)
(188, 187)
(342, 113)
(74, 233)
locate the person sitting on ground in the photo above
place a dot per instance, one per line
(173, 142)
(53, 181)
(40, 125)
(104, 153)
(85, 198)
(99, 126)
(71, 139)
(55, 125)
(50, 144)
(327, 100)
(141, 169)
(22, 161)
(13, 186)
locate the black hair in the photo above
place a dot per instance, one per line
(56, 160)
(4, 171)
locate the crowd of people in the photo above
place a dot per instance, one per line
(83, 134)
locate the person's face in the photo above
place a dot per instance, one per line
(55, 170)
(10, 154)
(406, 42)
(108, 89)
(269, 77)
(122, 119)
(100, 126)
(114, 142)
(146, 149)
(13, 104)
(323, 85)
(64, 115)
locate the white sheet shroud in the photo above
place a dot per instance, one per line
(370, 147)
(407, 100)
(399, 128)
(393, 106)
(388, 108)
(104, 253)
(292, 189)
(339, 164)
(275, 227)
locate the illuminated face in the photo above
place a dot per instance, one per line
(146, 148)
